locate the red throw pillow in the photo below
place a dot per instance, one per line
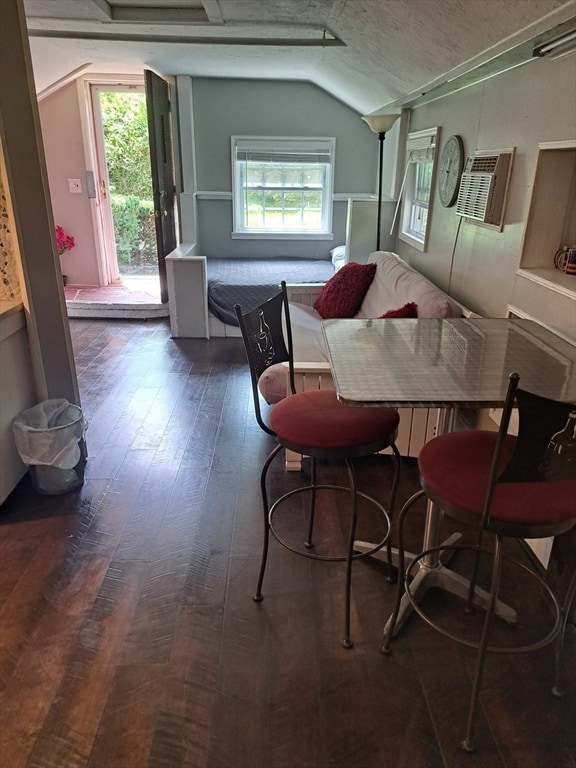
(344, 293)
(408, 310)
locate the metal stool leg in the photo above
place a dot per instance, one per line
(391, 504)
(257, 596)
(347, 642)
(559, 647)
(468, 742)
(309, 543)
(350, 553)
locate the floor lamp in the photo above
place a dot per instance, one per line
(380, 124)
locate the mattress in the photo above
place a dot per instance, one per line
(250, 282)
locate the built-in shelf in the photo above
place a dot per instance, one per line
(552, 278)
(551, 222)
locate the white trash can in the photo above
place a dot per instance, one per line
(48, 438)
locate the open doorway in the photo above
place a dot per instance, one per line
(126, 208)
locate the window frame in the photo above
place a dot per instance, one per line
(421, 149)
(279, 145)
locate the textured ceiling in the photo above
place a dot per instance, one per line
(368, 53)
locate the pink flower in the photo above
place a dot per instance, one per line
(64, 242)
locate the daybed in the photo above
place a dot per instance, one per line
(203, 291)
(395, 289)
(250, 282)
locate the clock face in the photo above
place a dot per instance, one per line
(450, 170)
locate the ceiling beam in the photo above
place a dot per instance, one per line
(102, 10)
(213, 11)
(291, 42)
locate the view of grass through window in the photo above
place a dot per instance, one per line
(128, 157)
(280, 196)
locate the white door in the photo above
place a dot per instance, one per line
(108, 261)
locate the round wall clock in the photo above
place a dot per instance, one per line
(450, 170)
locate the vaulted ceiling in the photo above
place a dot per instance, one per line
(368, 53)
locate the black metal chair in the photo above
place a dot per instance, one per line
(513, 488)
(314, 424)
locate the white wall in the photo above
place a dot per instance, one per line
(531, 104)
(65, 159)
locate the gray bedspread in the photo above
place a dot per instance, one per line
(250, 282)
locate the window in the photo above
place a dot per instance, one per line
(282, 187)
(417, 187)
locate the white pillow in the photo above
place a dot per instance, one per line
(338, 255)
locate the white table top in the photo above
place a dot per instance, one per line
(446, 363)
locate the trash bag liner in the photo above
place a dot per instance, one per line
(50, 434)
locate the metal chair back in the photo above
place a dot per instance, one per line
(545, 449)
(267, 335)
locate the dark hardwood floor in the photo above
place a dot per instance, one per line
(129, 638)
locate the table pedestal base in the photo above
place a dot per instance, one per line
(438, 575)
(365, 546)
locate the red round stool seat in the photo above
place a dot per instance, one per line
(454, 468)
(317, 419)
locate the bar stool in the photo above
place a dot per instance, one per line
(513, 488)
(315, 424)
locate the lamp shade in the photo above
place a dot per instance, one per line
(380, 123)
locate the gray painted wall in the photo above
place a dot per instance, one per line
(521, 108)
(223, 108)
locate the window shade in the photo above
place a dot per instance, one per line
(282, 152)
(421, 155)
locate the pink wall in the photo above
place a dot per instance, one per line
(63, 145)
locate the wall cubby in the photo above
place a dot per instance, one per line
(551, 222)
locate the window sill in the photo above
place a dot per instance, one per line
(282, 236)
(419, 245)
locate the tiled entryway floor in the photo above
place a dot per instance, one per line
(135, 297)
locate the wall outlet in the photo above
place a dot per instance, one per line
(74, 186)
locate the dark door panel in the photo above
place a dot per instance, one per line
(163, 176)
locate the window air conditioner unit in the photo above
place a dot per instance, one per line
(484, 187)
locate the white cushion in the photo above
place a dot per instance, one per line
(396, 283)
(307, 337)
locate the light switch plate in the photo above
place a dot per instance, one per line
(74, 186)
